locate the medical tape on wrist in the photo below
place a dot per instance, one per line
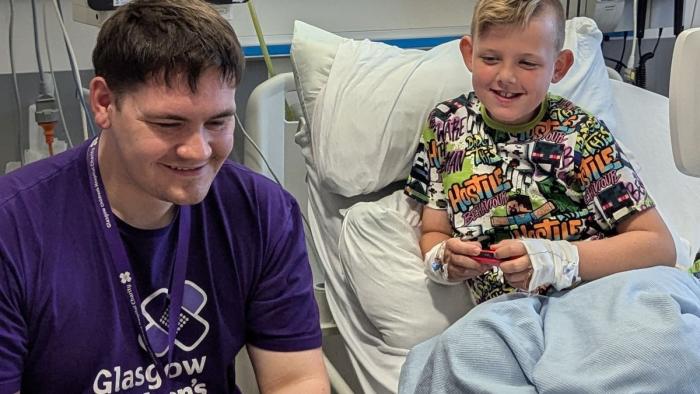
(553, 263)
(435, 267)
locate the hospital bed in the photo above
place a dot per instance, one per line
(360, 106)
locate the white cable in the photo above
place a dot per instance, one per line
(83, 118)
(53, 77)
(692, 18)
(20, 118)
(74, 68)
(257, 149)
(269, 168)
(630, 61)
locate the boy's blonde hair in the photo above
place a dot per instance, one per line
(489, 13)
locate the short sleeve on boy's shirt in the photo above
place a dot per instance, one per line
(611, 188)
(425, 180)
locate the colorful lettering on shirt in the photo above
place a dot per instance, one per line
(564, 178)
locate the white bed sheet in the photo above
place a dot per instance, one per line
(642, 127)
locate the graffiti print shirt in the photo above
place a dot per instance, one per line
(560, 177)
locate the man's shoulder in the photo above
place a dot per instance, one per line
(44, 179)
(238, 183)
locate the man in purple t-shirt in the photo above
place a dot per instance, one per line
(142, 261)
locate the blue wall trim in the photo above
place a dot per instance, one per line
(407, 43)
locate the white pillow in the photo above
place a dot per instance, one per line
(587, 83)
(365, 102)
(378, 249)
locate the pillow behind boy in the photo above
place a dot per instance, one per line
(366, 102)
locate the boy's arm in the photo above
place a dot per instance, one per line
(435, 228)
(643, 240)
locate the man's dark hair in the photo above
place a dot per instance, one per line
(165, 39)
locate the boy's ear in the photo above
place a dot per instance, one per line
(466, 46)
(562, 64)
(101, 98)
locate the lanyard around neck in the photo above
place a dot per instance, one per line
(123, 271)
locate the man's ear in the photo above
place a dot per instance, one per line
(466, 46)
(101, 99)
(562, 64)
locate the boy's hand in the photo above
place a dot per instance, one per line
(460, 265)
(516, 265)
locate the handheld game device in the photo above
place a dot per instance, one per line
(487, 257)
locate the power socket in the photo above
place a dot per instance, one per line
(84, 14)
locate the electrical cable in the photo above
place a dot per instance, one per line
(641, 80)
(37, 50)
(79, 89)
(13, 70)
(274, 176)
(692, 18)
(619, 64)
(630, 62)
(616, 62)
(76, 74)
(622, 55)
(53, 77)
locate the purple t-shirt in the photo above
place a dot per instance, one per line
(65, 323)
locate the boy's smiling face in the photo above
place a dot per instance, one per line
(512, 67)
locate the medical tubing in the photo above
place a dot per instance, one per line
(37, 50)
(289, 114)
(20, 118)
(261, 39)
(53, 77)
(76, 74)
(48, 135)
(269, 168)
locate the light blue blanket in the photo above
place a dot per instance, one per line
(633, 332)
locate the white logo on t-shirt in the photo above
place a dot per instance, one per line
(191, 328)
(125, 277)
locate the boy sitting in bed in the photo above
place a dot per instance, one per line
(525, 173)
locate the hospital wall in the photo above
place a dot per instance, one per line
(83, 38)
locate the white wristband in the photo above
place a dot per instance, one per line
(435, 267)
(553, 263)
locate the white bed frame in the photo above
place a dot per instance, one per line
(285, 159)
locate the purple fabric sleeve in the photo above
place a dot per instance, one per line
(282, 313)
(13, 329)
